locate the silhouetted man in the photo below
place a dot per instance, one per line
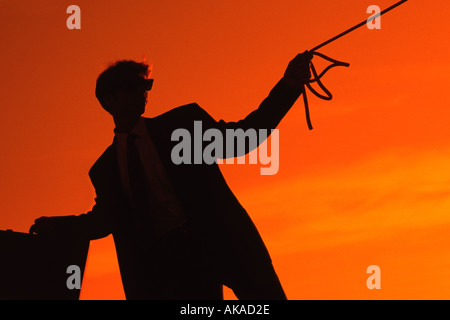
(179, 231)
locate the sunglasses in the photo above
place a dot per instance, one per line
(134, 84)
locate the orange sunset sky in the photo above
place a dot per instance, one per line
(370, 185)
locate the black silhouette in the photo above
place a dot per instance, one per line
(179, 233)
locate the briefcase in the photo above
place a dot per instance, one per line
(33, 267)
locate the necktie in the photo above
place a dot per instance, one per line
(154, 210)
(136, 174)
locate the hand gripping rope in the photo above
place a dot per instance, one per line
(316, 78)
(334, 63)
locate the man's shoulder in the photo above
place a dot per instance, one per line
(105, 158)
(187, 112)
(175, 117)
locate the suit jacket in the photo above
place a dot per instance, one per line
(230, 237)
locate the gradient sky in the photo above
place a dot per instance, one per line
(370, 185)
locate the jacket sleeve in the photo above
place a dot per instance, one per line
(92, 225)
(96, 223)
(256, 126)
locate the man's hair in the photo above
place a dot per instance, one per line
(116, 76)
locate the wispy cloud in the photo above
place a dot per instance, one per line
(379, 196)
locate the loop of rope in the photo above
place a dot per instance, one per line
(316, 78)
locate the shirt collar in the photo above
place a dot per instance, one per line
(139, 129)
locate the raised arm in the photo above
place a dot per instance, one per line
(269, 113)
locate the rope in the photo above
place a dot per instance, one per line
(316, 78)
(334, 63)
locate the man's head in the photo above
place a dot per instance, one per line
(122, 88)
